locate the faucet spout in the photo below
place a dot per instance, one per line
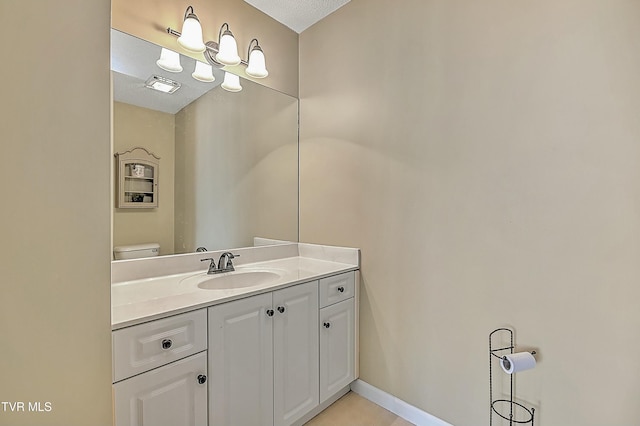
(225, 263)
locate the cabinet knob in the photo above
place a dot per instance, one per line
(341, 289)
(326, 324)
(281, 309)
(270, 312)
(167, 343)
(202, 379)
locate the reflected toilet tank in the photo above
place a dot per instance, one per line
(136, 251)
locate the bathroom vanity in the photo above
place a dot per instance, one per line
(272, 343)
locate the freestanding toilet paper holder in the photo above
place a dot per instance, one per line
(506, 404)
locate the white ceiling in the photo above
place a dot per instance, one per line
(297, 14)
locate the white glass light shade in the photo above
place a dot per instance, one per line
(257, 67)
(203, 72)
(228, 50)
(169, 61)
(231, 82)
(191, 37)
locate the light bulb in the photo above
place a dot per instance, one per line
(228, 49)
(231, 82)
(169, 60)
(257, 67)
(191, 37)
(203, 72)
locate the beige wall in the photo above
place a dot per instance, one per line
(148, 19)
(236, 169)
(485, 157)
(154, 131)
(54, 221)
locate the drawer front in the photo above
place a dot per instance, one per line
(142, 347)
(337, 288)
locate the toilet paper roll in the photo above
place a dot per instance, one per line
(520, 361)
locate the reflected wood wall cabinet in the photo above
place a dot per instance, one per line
(137, 179)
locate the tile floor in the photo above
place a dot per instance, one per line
(354, 410)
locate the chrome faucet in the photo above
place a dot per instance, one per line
(225, 263)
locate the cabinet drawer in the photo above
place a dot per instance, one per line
(337, 288)
(142, 347)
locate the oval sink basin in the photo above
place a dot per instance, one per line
(232, 280)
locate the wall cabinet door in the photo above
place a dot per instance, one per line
(175, 394)
(337, 347)
(295, 337)
(241, 362)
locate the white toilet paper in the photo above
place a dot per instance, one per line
(520, 361)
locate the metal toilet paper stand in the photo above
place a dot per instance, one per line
(506, 404)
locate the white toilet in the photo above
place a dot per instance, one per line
(136, 251)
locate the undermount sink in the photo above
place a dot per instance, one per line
(232, 280)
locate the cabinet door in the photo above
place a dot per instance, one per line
(241, 363)
(337, 347)
(295, 340)
(167, 396)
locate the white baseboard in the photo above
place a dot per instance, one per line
(395, 405)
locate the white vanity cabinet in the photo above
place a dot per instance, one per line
(337, 334)
(264, 358)
(274, 358)
(160, 372)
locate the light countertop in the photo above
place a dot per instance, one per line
(142, 300)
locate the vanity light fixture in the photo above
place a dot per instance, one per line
(256, 67)
(161, 84)
(191, 37)
(231, 82)
(225, 50)
(169, 61)
(203, 72)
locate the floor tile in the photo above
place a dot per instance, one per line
(354, 410)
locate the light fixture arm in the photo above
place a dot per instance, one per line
(220, 33)
(191, 14)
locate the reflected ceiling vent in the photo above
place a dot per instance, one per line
(161, 84)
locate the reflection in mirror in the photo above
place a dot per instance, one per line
(228, 168)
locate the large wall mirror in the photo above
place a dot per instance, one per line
(228, 168)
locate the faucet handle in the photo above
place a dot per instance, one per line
(212, 265)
